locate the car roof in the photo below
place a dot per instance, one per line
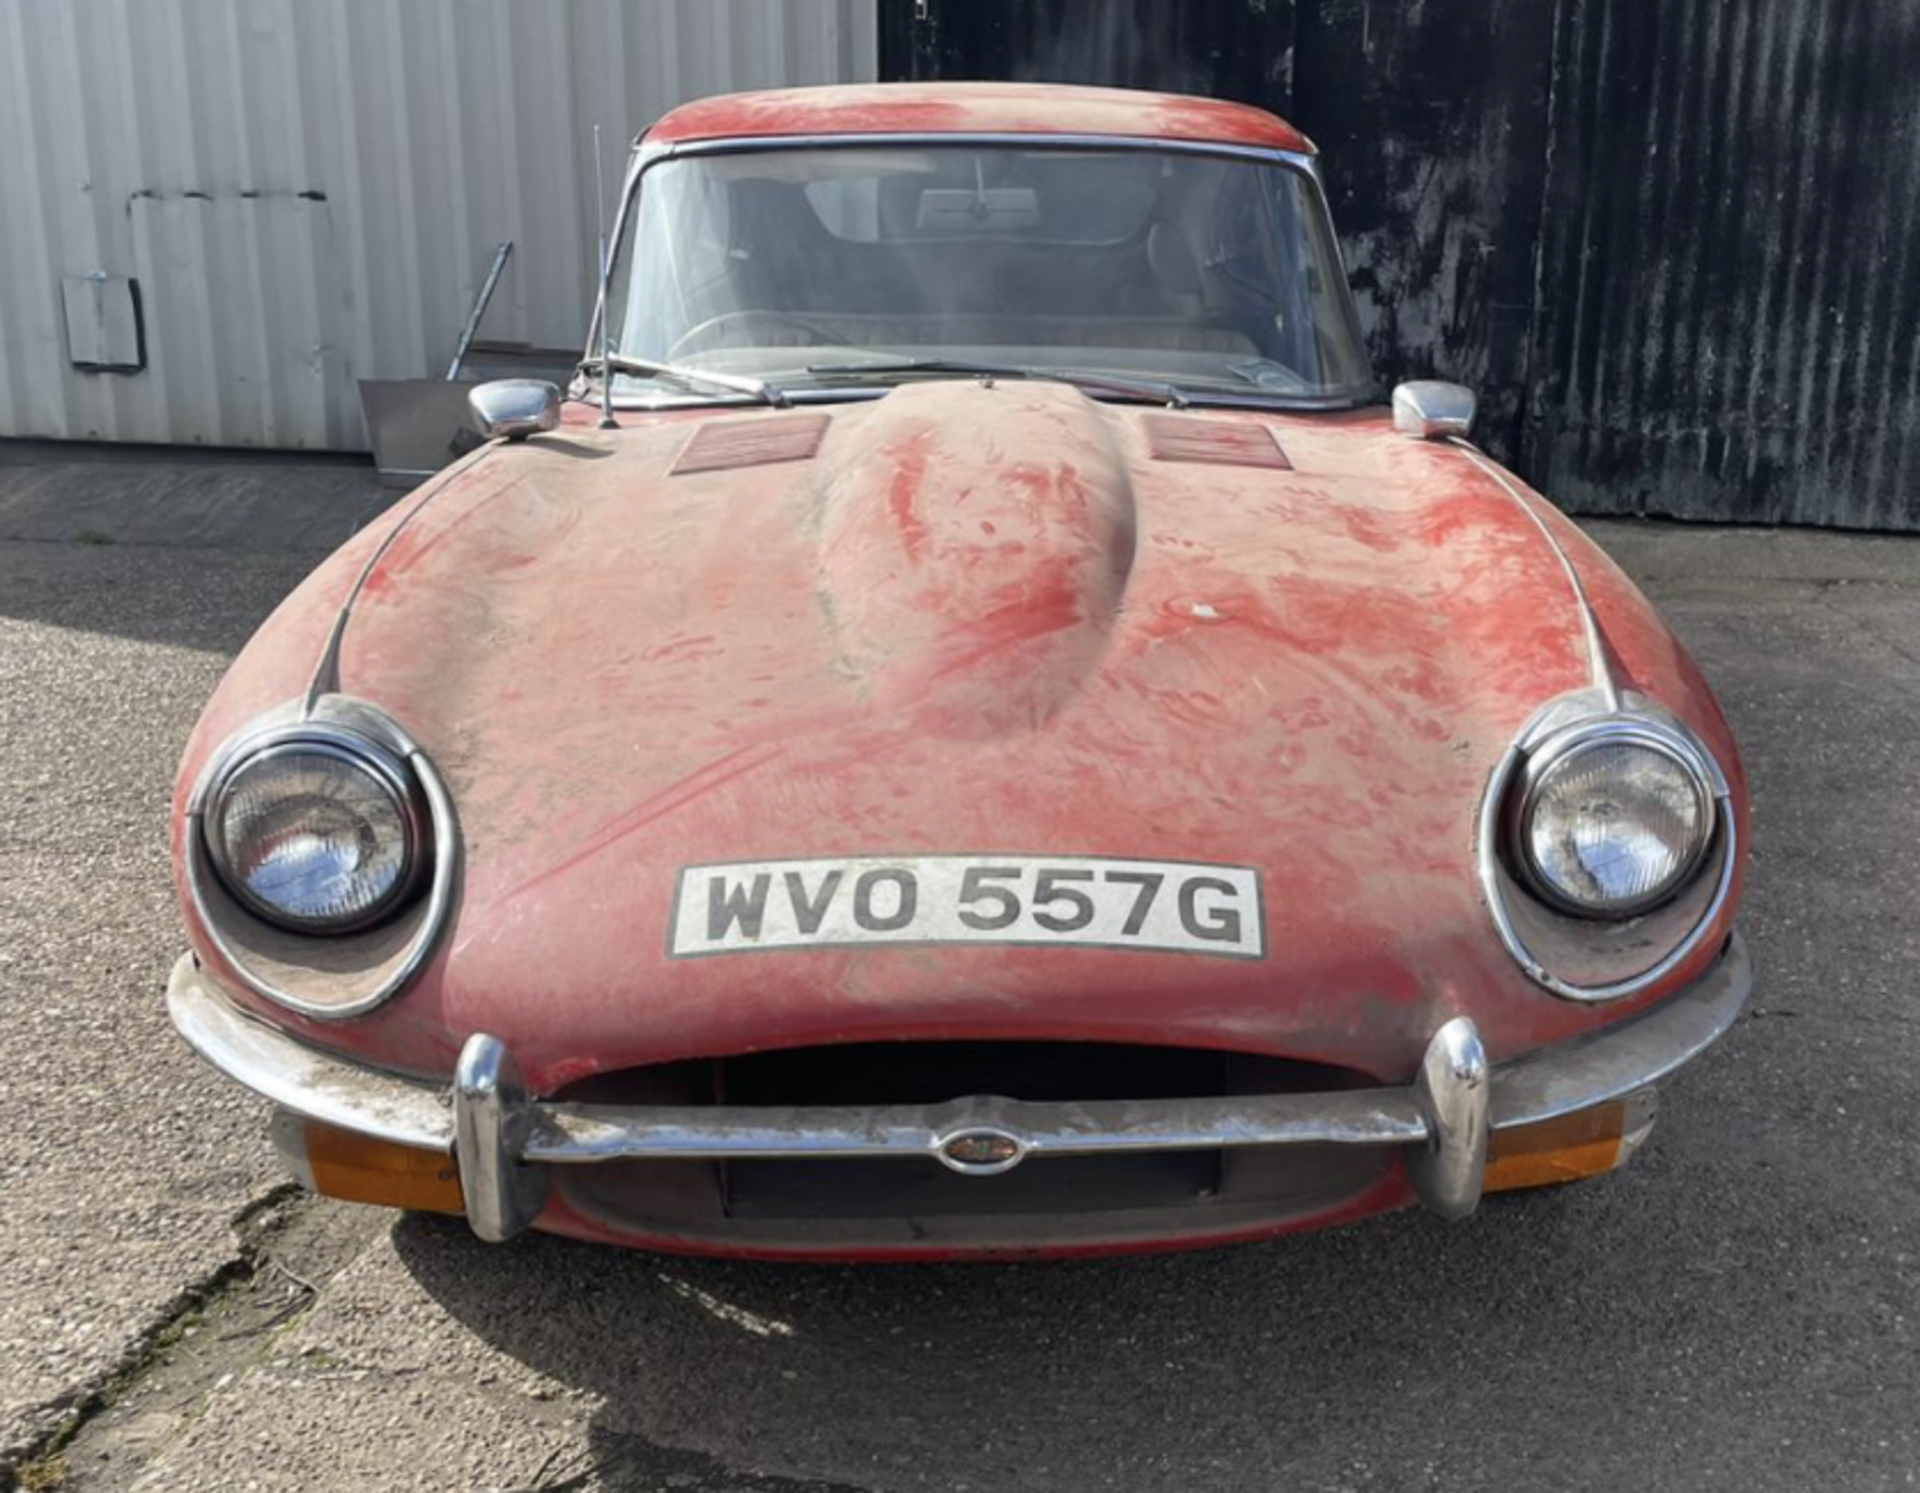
(975, 109)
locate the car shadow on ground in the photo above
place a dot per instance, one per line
(1194, 1369)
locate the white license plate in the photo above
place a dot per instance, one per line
(1180, 907)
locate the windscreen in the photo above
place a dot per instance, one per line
(798, 264)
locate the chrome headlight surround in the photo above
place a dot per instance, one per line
(329, 973)
(1538, 927)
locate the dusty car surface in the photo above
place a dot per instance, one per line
(1006, 742)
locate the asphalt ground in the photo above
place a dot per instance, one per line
(1737, 1310)
(124, 590)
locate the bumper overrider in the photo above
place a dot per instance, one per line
(483, 1146)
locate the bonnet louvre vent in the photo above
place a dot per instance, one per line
(755, 442)
(1220, 443)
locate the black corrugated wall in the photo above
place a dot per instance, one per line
(1671, 243)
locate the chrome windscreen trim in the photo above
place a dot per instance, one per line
(730, 144)
(1447, 1113)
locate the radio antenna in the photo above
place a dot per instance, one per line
(607, 422)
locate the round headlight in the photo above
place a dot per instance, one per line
(1614, 824)
(316, 835)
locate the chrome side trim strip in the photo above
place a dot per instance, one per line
(504, 1136)
(1603, 679)
(326, 672)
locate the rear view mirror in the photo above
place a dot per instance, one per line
(946, 210)
(512, 409)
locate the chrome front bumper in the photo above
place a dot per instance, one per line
(504, 1140)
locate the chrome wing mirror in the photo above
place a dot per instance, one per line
(512, 409)
(1429, 410)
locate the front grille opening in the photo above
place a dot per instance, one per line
(879, 1073)
(921, 1198)
(932, 1072)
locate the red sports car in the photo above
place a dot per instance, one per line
(972, 728)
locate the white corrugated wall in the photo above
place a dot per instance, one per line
(308, 192)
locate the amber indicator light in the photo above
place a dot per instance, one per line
(1584, 1144)
(360, 1169)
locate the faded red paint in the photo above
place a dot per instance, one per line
(909, 460)
(978, 619)
(974, 109)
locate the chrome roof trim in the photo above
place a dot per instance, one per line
(1301, 160)
(1603, 678)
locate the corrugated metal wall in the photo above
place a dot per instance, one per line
(1431, 120)
(1670, 242)
(1729, 314)
(308, 192)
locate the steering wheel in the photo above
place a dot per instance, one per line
(691, 340)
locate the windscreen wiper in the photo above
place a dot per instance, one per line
(1169, 394)
(735, 383)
